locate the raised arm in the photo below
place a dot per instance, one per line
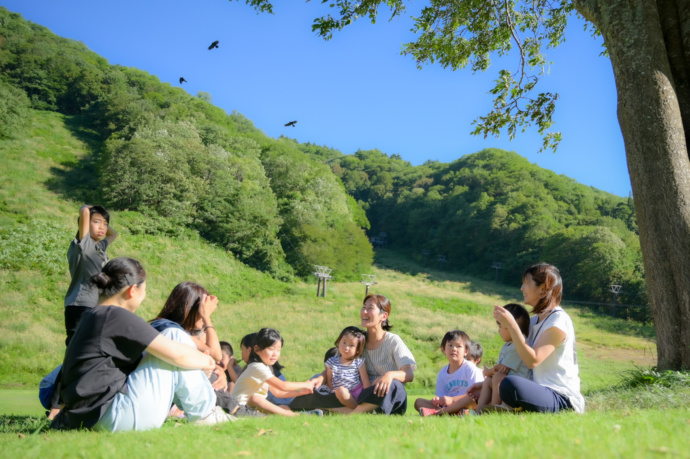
(84, 220)
(209, 303)
(110, 234)
(545, 345)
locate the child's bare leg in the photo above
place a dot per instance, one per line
(485, 394)
(265, 406)
(463, 402)
(423, 403)
(365, 408)
(344, 396)
(496, 395)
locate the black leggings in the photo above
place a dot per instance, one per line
(394, 402)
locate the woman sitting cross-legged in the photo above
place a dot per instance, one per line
(389, 364)
(110, 383)
(549, 350)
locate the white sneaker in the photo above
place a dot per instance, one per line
(216, 416)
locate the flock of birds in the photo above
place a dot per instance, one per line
(215, 45)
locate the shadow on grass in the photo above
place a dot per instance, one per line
(78, 180)
(25, 425)
(600, 318)
(390, 259)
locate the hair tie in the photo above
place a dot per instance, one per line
(361, 337)
(129, 280)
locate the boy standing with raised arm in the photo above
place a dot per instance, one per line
(86, 257)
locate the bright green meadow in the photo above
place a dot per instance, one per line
(38, 212)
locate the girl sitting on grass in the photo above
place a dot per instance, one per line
(252, 386)
(346, 373)
(453, 380)
(509, 362)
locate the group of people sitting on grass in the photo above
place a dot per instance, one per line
(123, 373)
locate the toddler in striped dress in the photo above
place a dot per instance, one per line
(346, 373)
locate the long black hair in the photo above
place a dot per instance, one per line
(266, 337)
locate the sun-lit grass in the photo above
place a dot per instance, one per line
(36, 203)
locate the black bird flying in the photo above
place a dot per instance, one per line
(291, 123)
(214, 45)
(182, 80)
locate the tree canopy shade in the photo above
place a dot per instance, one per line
(648, 42)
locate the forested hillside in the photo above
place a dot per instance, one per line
(176, 161)
(180, 161)
(495, 206)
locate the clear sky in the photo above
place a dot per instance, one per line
(355, 91)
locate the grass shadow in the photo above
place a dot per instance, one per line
(77, 178)
(390, 259)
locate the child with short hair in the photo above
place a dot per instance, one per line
(454, 379)
(229, 363)
(475, 352)
(346, 373)
(252, 386)
(509, 363)
(86, 257)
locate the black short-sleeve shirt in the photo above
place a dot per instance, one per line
(105, 349)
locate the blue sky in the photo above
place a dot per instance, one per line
(355, 91)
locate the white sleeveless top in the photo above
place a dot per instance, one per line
(559, 371)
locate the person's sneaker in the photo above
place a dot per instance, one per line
(216, 416)
(428, 412)
(314, 412)
(245, 411)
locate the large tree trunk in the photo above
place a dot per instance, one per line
(648, 43)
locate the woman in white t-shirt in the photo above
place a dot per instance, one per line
(549, 350)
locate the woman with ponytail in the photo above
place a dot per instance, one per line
(119, 373)
(389, 363)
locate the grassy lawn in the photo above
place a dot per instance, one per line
(37, 215)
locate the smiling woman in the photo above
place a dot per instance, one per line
(389, 364)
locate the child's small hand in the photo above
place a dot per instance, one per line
(474, 391)
(436, 401)
(502, 369)
(487, 372)
(222, 382)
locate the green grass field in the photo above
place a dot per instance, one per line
(38, 212)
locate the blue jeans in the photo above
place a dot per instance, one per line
(518, 392)
(152, 389)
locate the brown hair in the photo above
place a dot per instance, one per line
(182, 306)
(384, 305)
(548, 276)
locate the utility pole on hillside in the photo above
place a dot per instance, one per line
(615, 289)
(368, 280)
(441, 261)
(497, 265)
(426, 253)
(324, 274)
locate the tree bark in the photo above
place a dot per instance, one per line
(648, 42)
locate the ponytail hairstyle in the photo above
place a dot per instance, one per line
(548, 276)
(117, 274)
(266, 337)
(182, 306)
(384, 305)
(356, 333)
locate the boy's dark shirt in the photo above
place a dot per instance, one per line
(86, 258)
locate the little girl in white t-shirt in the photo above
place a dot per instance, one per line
(251, 388)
